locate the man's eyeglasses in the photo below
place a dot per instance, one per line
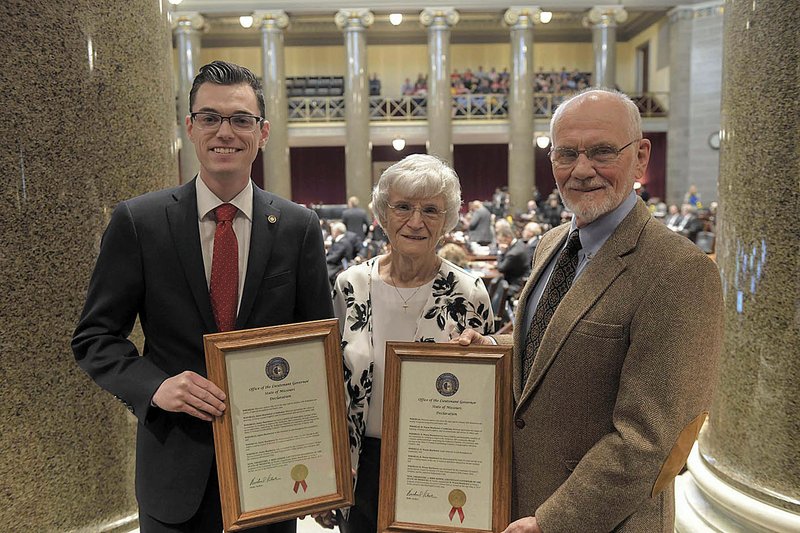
(239, 122)
(599, 155)
(404, 210)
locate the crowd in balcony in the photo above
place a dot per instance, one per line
(493, 81)
(561, 82)
(467, 82)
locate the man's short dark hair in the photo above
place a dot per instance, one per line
(224, 73)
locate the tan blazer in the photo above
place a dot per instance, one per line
(621, 383)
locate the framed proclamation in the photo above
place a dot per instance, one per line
(446, 443)
(281, 446)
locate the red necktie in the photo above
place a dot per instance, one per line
(225, 269)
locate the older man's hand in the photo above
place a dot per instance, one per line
(326, 519)
(524, 525)
(470, 336)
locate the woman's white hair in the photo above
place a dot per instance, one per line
(419, 176)
(634, 116)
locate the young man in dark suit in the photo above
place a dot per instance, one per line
(215, 254)
(616, 340)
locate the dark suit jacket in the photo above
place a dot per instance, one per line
(530, 247)
(620, 385)
(515, 265)
(480, 226)
(551, 215)
(151, 265)
(355, 219)
(339, 250)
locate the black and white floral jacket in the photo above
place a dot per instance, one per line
(458, 300)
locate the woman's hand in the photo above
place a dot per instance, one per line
(470, 336)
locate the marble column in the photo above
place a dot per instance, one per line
(88, 119)
(440, 102)
(745, 473)
(604, 21)
(695, 92)
(521, 168)
(277, 175)
(358, 148)
(186, 28)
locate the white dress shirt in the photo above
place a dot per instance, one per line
(207, 201)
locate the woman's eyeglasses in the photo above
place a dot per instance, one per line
(404, 210)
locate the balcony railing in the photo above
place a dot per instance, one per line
(464, 107)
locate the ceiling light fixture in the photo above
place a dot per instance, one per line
(398, 143)
(246, 21)
(396, 19)
(175, 2)
(545, 16)
(542, 141)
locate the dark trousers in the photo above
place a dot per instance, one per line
(363, 516)
(208, 518)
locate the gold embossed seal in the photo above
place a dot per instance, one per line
(457, 499)
(299, 475)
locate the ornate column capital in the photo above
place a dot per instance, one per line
(522, 16)
(607, 15)
(439, 16)
(187, 20)
(272, 19)
(688, 12)
(347, 19)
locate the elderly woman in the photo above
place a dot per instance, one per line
(408, 294)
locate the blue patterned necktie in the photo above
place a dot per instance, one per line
(557, 286)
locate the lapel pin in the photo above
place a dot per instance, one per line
(272, 219)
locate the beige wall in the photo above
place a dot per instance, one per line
(395, 63)
(553, 56)
(464, 56)
(317, 60)
(626, 61)
(249, 57)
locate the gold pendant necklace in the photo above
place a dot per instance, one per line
(405, 300)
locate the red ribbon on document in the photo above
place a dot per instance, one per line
(460, 513)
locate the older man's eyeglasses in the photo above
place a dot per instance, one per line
(239, 121)
(404, 210)
(599, 155)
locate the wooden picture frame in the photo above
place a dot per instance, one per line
(281, 445)
(447, 412)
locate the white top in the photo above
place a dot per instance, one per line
(390, 322)
(207, 201)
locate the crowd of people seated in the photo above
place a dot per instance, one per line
(696, 224)
(418, 88)
(561, 82)
(493, 81)
(496, 243)
(350, 238)
(691, 219)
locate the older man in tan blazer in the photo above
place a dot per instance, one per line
(614, 371)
